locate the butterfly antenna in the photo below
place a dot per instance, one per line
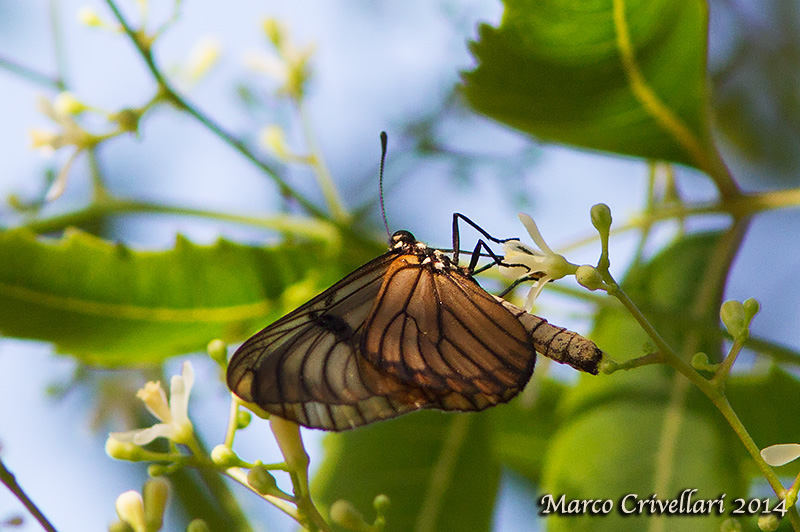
(384, 141)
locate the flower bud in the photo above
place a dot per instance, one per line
(344, 514)
(223, 456)
(601, 218)
(733, 317)
(273, 138)
(243, 418)
(589, 277)
(66, 103)
(730, 525)
(700, 362)
(768, 522)
(198, 525)
(89, 17)
(130, 509)
(751, 308)
(122, 450)
(155, 493)
(203, 57)
(261, 480)
(381, 504)
(218, 351)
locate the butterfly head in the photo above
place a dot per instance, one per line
(402, 239)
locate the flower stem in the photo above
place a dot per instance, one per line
(31, 75)
(7, 478)
(178, 101)
(324, 179)
(220, 490)
(105, 205)
(713, 392)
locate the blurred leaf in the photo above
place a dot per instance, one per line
(436, 468)
(756, 80)
(554, 69)
(521, 433)
(646, 430)
(110, 305)
(760, 401)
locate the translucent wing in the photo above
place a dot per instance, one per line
(434, 328)
(305, 366)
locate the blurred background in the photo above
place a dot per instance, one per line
(377, 65)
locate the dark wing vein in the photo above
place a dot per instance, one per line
(436, 329)
(305, 366)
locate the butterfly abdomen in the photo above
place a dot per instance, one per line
(557, 343)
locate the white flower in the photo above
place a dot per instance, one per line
(174, 415)
(70, 134)
(525, 262)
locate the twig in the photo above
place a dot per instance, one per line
(7, 478)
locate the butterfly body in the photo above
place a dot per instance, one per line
(408, 330)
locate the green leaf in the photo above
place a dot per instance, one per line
(110, 305)
(436, 468)
(647, 430)
(522, 432)
(564, 71)
(761, 403)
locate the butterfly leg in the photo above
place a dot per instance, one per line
(457, 239)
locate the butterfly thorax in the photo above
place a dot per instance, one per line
(414, 252)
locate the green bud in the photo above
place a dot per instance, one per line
(123, 450)
(223, 456)
(345, 514)
(65, 103)
(768, 522)
(381, 504)
(751, 308)
(218, 351)
(155, 494)
(733, 317)
(261, 480)
(700, 362)
(198, 525)
(243, 419)
(601, 218)
(730, 525)
(589, 277)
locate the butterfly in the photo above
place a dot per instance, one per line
(409, 330)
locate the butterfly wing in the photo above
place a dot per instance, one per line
(305, 366)
(434, 328)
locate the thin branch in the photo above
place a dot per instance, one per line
(7, 478)
(142, 45)
(31, 75)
